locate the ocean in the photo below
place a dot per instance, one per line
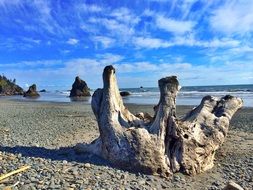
(191, 95)
(188, 95)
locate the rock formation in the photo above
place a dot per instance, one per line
(79, 88)
(32, 91)
(162, 144)
(125, 93)
(43, 90)
(8, 87)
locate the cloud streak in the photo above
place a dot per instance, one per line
(174, 26)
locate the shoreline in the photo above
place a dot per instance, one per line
(89, 103)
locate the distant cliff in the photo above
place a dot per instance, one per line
(9, 87)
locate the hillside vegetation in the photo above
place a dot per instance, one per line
(9, 87)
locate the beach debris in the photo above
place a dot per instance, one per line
(4, 176)
(32, 91)
(79, 88)
(231, 185)
(125, 93)
(166, 144)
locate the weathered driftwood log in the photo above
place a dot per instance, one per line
(161, 144)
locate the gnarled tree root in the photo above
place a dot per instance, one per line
(163, 144)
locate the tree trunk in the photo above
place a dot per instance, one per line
(161, 144)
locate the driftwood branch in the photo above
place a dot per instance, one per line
(161, 144)
(4, 176)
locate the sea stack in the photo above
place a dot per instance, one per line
(32, 92)
(79, 88)
(125, 93)
(43, 90)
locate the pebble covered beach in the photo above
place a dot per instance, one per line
(42, 135)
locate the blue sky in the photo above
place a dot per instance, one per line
(203, 42)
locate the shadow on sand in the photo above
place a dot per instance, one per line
(63, 153)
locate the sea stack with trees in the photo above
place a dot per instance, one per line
(9, 87)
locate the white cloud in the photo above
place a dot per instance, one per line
(66, 51)
(31, 64)
(5, 3)
(89, 8)
(90, 69)
(72, 41)
(89, 28)
(109, 58)
(36, 41)
(213, 43)
(186, 7)
(174, 26)
(148, 67)
(148, 12)
(135, 67)
(234, 17)
(106, 42)
(44, 18)
(242, 49)
(123, 31)
(125, 15)
(120, 23)
(188, 74)
(151, 43)
(49, 71)
(154, 43)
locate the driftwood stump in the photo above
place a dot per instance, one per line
(161, 144)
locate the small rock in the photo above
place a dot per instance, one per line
(79, 181)
(73, 185)
(75, 172)
(123, 176)
(125, 93)
(176, 178)
(87, 165)
(33, 179)
(64, 161)
(141, 182)
(231, 185)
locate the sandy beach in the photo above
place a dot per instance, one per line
(42, 134)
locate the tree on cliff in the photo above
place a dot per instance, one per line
(9, 87)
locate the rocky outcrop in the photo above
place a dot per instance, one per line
(125, 93)
(8, 87)
(32, 91)
(43, 90)
(79, 88)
